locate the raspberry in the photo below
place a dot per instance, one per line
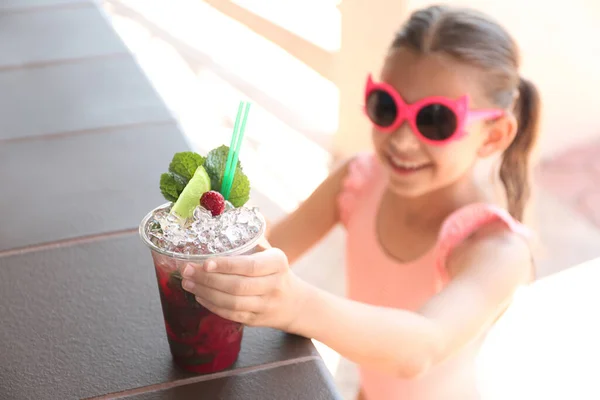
(213, 202)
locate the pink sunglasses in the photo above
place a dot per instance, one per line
(435, 120)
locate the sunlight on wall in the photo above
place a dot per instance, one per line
(317, 21)
(282, 163)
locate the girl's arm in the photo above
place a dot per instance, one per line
(261, 290)
(313, 219)
(486, 272)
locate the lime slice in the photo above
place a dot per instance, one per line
(190, 196)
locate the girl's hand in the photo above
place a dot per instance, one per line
(256, 290)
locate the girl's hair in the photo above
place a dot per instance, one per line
(473, 38)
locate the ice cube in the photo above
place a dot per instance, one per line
(216, 246)
(174, 232)
(254, 223)
(174, 238)
(189, 247)
(203, 233)
(159, 242)
(226, 219)
(199, 247)
(233, 234)
(243, 216)
(202, 215)
(154, 230)
(161, 215)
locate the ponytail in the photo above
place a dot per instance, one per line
(515, 168)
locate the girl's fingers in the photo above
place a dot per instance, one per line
(270, 261)
(246, 318)
(235, 284)
(225, 300)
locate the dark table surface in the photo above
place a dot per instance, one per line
(83, 140)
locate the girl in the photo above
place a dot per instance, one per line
(431, 265)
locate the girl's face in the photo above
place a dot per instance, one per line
(417, 167)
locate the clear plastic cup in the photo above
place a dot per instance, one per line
(200, 341)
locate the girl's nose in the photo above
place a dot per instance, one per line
(404, 139)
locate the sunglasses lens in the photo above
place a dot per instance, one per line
(436, 122)
(381, 108)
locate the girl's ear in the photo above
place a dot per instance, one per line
(499, 134)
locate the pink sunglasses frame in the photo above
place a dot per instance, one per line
(408, 112)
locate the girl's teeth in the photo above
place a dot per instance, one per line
(406, 165)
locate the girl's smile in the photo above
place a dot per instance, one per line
(405, 166)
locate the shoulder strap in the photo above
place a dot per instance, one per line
(462, 223)
(360, 171)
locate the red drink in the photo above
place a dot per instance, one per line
(200, 341)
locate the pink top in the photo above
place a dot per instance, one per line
(375, 278)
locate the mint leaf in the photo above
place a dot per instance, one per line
(171, 186)
(240, 189)
(185, 164)
(215, 167)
